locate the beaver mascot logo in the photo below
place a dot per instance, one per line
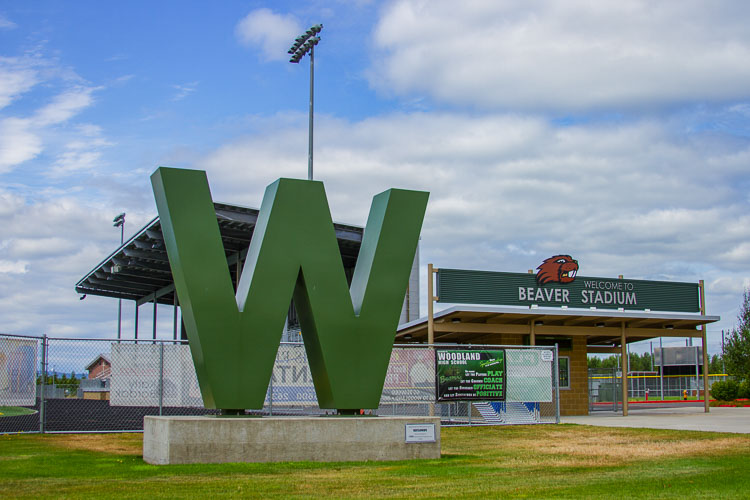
(560, 269)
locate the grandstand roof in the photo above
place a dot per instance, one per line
(139, 269)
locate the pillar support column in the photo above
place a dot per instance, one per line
(624, 366)
(430, 304)
(705, 348)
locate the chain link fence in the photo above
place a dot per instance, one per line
(605, 387)
(106, 385)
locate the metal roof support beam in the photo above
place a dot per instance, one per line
(561, 330)
(661, 332)
(233, 258)
(136, 322)
(151, 266)
(156, 295)
(153, 234)
(348, 234)
(107, 293)
(577, 320)
(144, 254)
(174, 319)
(149, 284)
(603, 350)
(115, 287)
(163, 277)
(532, 333)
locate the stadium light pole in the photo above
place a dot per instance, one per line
(119, 221)
(303, 44)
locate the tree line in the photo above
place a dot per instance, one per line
(72, 381)
(644, 363)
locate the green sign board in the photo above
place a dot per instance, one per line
(470, 374)
(234, 336)
(525, 289)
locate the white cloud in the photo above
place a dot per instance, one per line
(13, 267)
(21, 138)
(6, 23)
(272, 33)
(82, 153)
(38, 247)
(46, 245)
(64, 106)
(573, 55)
(16, 77)
(184, 90)
(17, 143)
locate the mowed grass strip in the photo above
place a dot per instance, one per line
(14, 411)
(544, 461)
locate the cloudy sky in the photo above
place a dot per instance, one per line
(614, 131)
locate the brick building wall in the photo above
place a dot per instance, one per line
(575, 401)
(100, 369)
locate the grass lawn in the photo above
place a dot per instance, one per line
(14, 411)
(542, 461)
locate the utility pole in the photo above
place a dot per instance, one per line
(119, 221)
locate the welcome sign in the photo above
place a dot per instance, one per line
(524, 289)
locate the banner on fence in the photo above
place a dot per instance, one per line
(470, 375)
(17, 372)
(410, 376)
(135, 377)
(291, 381)
(529, 375)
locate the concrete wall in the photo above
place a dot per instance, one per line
(183, 440)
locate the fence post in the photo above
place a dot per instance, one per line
(42, 416)
(557, 386)
(270, 397)
(615, 392)
(661, 369)
(161, 378)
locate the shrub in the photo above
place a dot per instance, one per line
(725, 390)
(743, 392)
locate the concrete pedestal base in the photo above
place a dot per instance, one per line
(186, 440)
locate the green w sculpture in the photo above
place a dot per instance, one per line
(348, 332)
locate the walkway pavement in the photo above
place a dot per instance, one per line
(690, 418)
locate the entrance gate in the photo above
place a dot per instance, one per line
(605, 390)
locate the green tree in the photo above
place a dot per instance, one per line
(737, 345)
(715, 365)
(611, 362)
(594, 362)
(606, 363)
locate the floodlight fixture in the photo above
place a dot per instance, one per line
(119, 220)
(305, 44)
